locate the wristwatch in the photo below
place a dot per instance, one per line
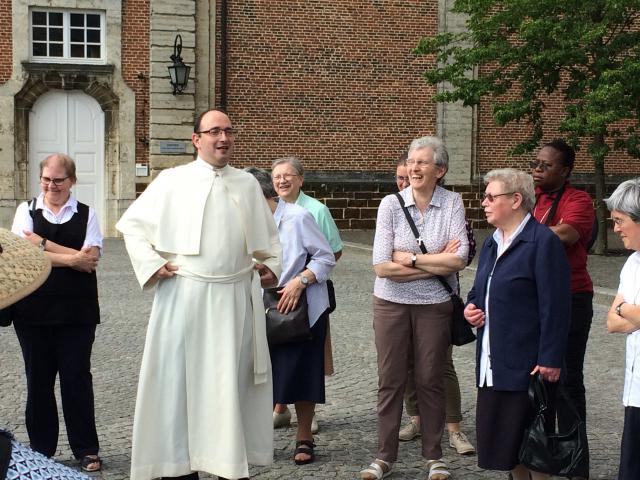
(304, 280)
(618, 308)
(413, 260)
(43, 242)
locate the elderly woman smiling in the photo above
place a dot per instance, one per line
(520, 303)
(624, 317)
(411, 308)
(307, 261)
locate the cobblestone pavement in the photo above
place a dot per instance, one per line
(347, 438)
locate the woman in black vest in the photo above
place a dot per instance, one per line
(56, 324)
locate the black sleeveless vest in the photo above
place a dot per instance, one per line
(68, 296)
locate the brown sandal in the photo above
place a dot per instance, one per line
(91, 463)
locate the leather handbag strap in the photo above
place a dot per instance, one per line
(540, 400)
(414, 229)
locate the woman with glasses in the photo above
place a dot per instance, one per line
(520, 304)
(287, 174)
(624, 317)
(56, 324)
(307, 261)
(411, 308)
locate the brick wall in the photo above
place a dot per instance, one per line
(6, 40)
(355, 206)
(135, 67)
(333, 82)
(493, 143)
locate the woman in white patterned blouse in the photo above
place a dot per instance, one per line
(410, 305)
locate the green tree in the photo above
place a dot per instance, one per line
(522, 51)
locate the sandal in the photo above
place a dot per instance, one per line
(437, 470)
(377, 470)
(91, 463)
(305, 447)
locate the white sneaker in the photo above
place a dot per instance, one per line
(461, 443)
(410, 431)
(281, 420)
(314, 425)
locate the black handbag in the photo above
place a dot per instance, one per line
(563, 454)
(461, 332)
(285, 328)
(331, 292)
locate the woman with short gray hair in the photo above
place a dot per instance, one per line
(624, 317)
(307, 261)
(520, 304)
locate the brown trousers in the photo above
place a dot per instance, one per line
(400, 328)
(452, 400)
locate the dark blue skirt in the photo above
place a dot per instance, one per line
(298, 368)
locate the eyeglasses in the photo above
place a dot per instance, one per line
(491, 198)
(216, 132)
(56, 181)
(286, 177)
(400, 178)
(534, 165)
(418, 163)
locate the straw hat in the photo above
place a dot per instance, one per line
(23, 268)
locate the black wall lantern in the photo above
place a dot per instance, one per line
(178, 72)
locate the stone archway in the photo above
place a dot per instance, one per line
(94, 80)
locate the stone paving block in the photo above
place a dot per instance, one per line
(348, 431)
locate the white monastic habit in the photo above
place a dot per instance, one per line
(205, 395)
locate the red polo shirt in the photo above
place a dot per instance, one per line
(575, 209)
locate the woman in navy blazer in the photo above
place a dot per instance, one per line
(520, 303)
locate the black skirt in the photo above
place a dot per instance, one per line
(501, 419)
(298, 368)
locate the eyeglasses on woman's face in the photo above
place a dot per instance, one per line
(287, 177)
(489, 197)
(56, 181)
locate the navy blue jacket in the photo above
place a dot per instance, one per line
(529, 305)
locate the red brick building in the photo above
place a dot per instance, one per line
(334, 83)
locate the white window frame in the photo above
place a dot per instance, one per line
(66, 37)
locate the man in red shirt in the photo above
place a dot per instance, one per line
(569, 213)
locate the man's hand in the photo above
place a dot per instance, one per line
(85, 260)
(165, 271)
(267, 277)
(474, 315)
(547, 373)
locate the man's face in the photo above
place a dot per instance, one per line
(214, 149)
(549, 173)
(402, 177)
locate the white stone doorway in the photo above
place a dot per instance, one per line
(71, 122)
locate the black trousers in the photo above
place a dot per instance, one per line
(47, 352)
(629, 459)
(573, 378)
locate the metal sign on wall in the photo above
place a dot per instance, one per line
(171, 146)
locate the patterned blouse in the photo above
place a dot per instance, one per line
(443, 221)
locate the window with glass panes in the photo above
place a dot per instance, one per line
(67, 35)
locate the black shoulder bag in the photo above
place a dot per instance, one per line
(561, 454)
(461, 332)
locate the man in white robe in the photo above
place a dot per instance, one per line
(205, 394)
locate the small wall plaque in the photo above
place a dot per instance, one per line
(171, 146)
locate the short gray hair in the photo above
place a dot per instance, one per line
(626, 199)
(293, 161)
(264, 179)
(515, 181)
(440, 154)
